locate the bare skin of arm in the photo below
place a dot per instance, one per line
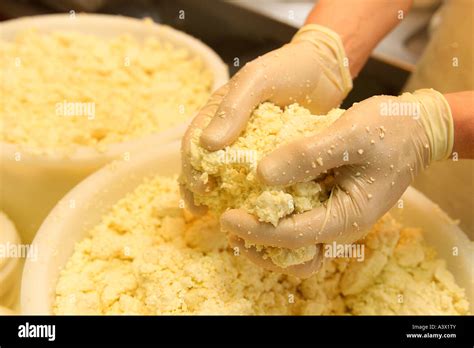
(361, 27)
(364, 27)
(462, 109)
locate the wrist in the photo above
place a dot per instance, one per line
(434, 115)
(330, 51)
(361, 27)
(462, 106)
(357, 51)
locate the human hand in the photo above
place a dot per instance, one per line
(311, 70)
(375, 149)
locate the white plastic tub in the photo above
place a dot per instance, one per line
(10, 266)
(94, 196)
(31, 186)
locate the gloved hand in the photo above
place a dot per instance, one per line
(376, 149)
(310, 70)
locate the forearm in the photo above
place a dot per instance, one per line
(462, 109)
(360, 24)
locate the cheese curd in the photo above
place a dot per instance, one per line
(65, 89)
(234, 168)
(148, 256)
(283, 257)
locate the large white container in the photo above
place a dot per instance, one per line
(10, 265)
(30, 185)
(94, 196)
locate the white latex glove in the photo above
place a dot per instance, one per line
(310, 70)
(375, 157)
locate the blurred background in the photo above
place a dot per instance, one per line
(253, 28)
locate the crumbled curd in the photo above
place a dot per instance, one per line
(64, 89)
(234, 171)
(148, 256)
(234, 168)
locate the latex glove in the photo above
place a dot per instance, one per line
(310, 70)
(375, 157)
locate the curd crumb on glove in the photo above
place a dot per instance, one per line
(148, 256)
